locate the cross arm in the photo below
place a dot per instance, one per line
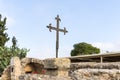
(49, 26)
(53, 28)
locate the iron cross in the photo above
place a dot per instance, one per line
(57, 32)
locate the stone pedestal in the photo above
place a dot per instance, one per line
(57, 66)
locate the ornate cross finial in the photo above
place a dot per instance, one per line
(57, 32)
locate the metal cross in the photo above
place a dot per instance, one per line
(57, 32)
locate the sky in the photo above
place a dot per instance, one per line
(96, 22)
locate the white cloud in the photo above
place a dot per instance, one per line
(111, 47)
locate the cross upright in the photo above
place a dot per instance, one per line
(57, 32)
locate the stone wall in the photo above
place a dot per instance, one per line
(60, 69)
(15, 68)
(6, 74)
(34, 64)
(94, 65)
(43, 77)
(57, 66)
(95, 71)
(95, 74)
(30, 67)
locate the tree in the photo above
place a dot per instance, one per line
(14, 42)
(7, 52)
(3, 35)
(16, 51)
(84, 49)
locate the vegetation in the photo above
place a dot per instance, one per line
(3, 35)
(7, 52)
(84, 49)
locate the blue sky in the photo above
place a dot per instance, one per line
(93, 21)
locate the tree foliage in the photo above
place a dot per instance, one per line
(14, 42)
(84, 49)
(16, 51)
(7, 52)
(3, 35)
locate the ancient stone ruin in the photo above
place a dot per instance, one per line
(63, 69)
(35, 69)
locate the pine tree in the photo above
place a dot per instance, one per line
(7, 52)
(3, 35)
(14, 42)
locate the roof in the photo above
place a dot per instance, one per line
(106, 57)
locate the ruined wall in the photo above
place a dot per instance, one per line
(34, 64)
(57, 66)
(30, 68)
(6, 74)
(60, 69)
(55, 69)
(14, 69)
(95, 71)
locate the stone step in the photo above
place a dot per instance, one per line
(93, 65)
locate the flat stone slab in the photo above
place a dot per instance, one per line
(57, 63)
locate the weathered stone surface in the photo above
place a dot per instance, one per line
(6, 73)
(57, 66)
(12, 70)
(49, 64)
(95, 74)
(43, 77)
(57, 72)
(94, 65)
(59, 63)
(16, 68)
(95, 71)
(60, 69)
(25, 61)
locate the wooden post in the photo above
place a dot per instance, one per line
(101, 59)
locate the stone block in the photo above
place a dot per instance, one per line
(57, 63)
(57, 66)
(57, 72)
